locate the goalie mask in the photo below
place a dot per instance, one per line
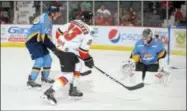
(147, 36)
(86, 16)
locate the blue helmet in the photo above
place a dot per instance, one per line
(53, 9)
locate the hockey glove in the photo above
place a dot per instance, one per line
(56, 52)
(128, 66)
(89, 62)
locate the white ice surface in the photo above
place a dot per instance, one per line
(99, 91)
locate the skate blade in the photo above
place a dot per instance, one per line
(46, 83)
(44, 97)
(43, 83)
(37, 88)
(75, 97)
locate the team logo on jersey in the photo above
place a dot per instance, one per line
(114, 36)
(147, 57)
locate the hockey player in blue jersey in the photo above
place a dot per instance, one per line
(38, 42)
(149, 55)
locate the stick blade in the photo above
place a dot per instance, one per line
(174, 68)
(138, 86)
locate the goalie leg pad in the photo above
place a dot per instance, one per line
(136, 77)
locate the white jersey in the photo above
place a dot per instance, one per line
(77, 36)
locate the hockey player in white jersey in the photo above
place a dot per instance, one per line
(149, 55)
(73, 45)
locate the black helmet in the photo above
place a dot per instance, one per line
(147, 33)
(86, 16)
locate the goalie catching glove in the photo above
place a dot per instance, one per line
(128, 66)
(89, 62)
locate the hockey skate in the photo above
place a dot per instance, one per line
(49, 96)
(46, 80)
(74, 93)
(32, 84)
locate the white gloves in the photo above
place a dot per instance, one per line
(128, 65)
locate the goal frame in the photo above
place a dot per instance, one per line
(169, 39)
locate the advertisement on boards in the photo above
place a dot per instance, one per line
(17, 33)
(14, 33)
(4, 33)
(104, 36)
(125, 36)
(180, 38)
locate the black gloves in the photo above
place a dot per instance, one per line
(89, 62)
(56, 52)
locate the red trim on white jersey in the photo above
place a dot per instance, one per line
(83, 54)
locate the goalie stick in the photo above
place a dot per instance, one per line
(138, 86)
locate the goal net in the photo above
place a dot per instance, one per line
(176, 41)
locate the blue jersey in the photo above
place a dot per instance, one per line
(39, 37)
(149, 54)
(41, 25)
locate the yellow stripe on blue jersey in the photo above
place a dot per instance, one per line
(162, 54)
(36, 34)
(43, 37)
(136, 58)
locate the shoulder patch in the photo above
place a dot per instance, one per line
(140, 46)
(89, 42)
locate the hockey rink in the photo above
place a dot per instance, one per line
(99, 91)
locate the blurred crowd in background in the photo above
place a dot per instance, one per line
(106, 13)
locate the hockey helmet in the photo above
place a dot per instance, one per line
(147, 33)
(147, 36)
(86, 16)
(53, 9)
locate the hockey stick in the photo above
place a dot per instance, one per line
(138, 86)
(86, 73)
(173, 67)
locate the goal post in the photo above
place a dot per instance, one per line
(176, 40)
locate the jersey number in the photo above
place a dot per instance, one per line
(36, 20)
(72, 32)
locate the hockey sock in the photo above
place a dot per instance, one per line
(60, 82)
(36, 68)
(45, 72)
(46, 66)
(34, 73)
(76, 76)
